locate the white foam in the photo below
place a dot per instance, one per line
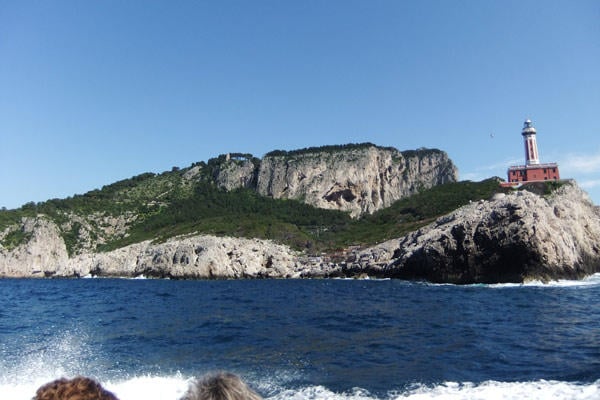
(173, 387)
(592, 280)
(67, 353)
(149, 388)
(539, 390)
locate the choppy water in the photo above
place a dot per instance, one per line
(305, 339)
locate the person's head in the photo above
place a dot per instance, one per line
(220, 386)
(79, 388)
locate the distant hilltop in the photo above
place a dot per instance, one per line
(295, 197)
(355, 178)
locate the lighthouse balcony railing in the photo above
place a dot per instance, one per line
(533, 166)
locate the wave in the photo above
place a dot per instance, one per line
(453, 390)
(592, 280)
(173, 387)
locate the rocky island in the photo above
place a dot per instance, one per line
(337, 211)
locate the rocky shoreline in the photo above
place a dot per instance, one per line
(510, 238)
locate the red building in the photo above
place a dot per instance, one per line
(532, 170)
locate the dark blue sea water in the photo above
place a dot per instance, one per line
(305, 339)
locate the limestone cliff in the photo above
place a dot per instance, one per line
(43, 254)
(511, 238)
(358, 180)
(235, 174)
(40, 249)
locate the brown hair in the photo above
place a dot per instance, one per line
(220, 386)
(79, 388)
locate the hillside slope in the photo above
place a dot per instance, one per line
(511, 237)
(228, 195)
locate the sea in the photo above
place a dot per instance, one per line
(304, 339)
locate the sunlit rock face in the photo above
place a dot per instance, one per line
(43, 254)
(510, 238)
(41, 251)
(513, 238)
(359, 181)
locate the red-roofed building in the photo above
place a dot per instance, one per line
(532, 171)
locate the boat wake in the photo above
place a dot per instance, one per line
(173, 387)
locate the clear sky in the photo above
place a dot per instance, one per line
(92, 92)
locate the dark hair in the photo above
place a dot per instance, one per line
(79, 388)
(220, 386)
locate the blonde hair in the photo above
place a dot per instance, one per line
(220, 386)
(79, 388)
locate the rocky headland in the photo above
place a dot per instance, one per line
(511, 237)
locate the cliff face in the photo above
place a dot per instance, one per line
(236, 174)
(511, 238)
(43, 254)
(359, 181)
(41, 248)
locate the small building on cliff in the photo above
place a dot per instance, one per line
(533, 170)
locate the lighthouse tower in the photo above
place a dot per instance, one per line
(531, 151)
(532, 171)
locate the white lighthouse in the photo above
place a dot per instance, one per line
(531, 151)
(532, 171)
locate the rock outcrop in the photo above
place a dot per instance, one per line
(511, 238)
(359, 180)
(41, 252)
(44, 254)
(234, 174)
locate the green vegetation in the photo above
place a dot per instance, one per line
(411, 213)
(71, 237)
(240, 212)
(543, 188)
(324, 149)
(350, 146)
(164, 205)
(139, 195)
(15, 238)
(244, 213)
(203, 208)
(214, 165)
(421, 152)
(552, 186)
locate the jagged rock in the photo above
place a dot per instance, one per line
(235, 174)
(194, 257)
(192, 173)
(512, 238)
(360, 180)
(41, 254)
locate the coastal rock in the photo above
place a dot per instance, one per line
(43, 254)
(40, 252)
(359, 180)
(514, 238)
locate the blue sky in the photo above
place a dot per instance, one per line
(96, 91)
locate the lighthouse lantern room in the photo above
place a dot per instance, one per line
(533, 170)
